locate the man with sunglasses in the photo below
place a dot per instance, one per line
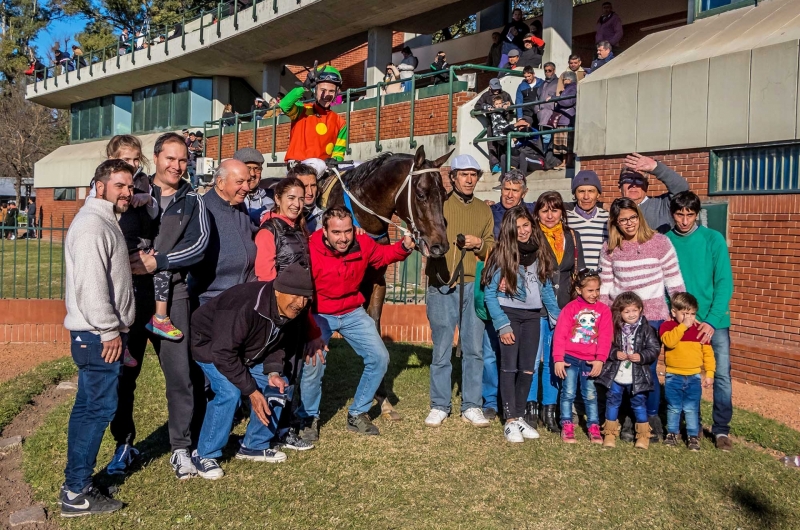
(633, 184)
(317, 131)
(257, 201)
(546, 91)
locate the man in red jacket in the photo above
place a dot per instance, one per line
(339, 260)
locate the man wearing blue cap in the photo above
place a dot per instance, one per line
(586, 217)
(451, 281)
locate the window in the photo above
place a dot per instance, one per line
(753, 170)
(64, 194)
(100, 118)
(714, 7)
(171, 105)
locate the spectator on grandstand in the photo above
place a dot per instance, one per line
(545, 91)
(77, 57)
(228, 116)
(609, 26)
(124, 41)
(574, 66)
(633, 184)
(258, 109)
(527, 92)
(527, 154)
(564, 116)
(532, 54)
(63, 60)
(513, 34)
(604, 56)
(392, 74)
(512, 64)
(440, 63)
(407, 67)
(37, 69)
(487, 99)
(495, 51)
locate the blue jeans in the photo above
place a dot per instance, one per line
(654, 396)
(614, 401)
(723, 406)
(544, 357)
(683, 395)
(443, 311)
(220, 410)
(359, 330)
(578, 370)
(406, 86)
(491, 345)
(94, 408)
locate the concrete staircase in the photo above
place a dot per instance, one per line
(538, 183)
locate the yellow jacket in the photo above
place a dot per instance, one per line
(684, 354)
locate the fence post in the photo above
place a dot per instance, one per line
(104, 59)
(255, 17)
(55, 76)
(50, 281)
(205, 137)
(78, 67)
(63, 230)
(133, 50)
(219, 19)
(450, 138)
(236, 14)
(3, 249)
(166, 43)
(149, 42)
(183, 30)
(378, 147)
(412, 144)
(347, 121)
(275, 6)
(235, 132)
(274, 135)
(255, 129)
(202, 24)
(219, 141)
(91, 64)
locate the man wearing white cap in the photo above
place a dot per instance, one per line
(451, 281)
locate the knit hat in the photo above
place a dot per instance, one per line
(586, 178)
(294, 279)
(248, 155)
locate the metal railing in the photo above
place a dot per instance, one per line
(32, 260)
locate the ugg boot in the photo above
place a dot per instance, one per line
(532, 414)
(550, 421)
(656, 428)
(610, 433)
(642, 436)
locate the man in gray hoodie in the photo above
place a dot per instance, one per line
(633, 184)
(100, 308)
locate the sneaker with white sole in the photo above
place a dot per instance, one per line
(292, 441)
(261, 455)
(90, 501)
(475, 417)
(182, 464)
(528, 432)
(122, 459)
(513, 433)
(435, 418)
(208, 468)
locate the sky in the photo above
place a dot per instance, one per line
(67, 27)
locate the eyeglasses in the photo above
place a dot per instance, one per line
(628, 221)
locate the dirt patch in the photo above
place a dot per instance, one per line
(17, 358)
(16, 494)
(778, 405)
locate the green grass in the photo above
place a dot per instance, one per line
(18, 392)
(415, 477)
(31, 268)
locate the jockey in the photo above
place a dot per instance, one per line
(317, 131)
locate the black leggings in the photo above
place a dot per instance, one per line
(518, 360)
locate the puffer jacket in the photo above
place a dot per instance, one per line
(647, 344)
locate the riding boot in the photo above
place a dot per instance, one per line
(657, 430)
(550, 420)
(532, 414)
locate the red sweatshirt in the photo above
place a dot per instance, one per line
(337, 277)
(584, 331)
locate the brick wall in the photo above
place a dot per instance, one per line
(764, 243)
(430, 118)
(56, 214)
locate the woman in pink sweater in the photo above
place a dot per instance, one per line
(636, 258)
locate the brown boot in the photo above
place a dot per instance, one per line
(610, 433)
(642, 436)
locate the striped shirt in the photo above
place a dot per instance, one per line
(594, 232)
(648, 269)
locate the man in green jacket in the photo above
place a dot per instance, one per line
(706, 269)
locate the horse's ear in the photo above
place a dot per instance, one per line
(419, 157)
(439, 162)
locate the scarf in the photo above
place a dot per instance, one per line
(628, 334)
(555, 236)
(527, 253)
(465, 198)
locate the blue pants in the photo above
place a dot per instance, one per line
(443, 311)
(220, 410)
(359, 330)
(94, 408)
(406, 86)
(683, 395)
(723, 406)
(654, 396)
(578, 370)
(614, 401)
(491, 347)
(544, 358)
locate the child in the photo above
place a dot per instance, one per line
(520, 264)
(635, 348)
(499, 116)
(684, 356)
(580, 347)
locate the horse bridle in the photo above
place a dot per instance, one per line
(414, 232)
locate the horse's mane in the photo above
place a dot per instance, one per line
(356, 177)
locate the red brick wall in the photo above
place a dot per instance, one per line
(764, 243)
(56, 214)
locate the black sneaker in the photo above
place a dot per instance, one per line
(309, 430)
(361, 424)
(490, 414)
(89, 502)
(208, 468)
(671, 439)
(694, 443)
(294, 442)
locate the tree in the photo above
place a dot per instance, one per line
(21, 21)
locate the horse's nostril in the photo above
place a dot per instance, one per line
(437, 250)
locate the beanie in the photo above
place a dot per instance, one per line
(586, 178)
(294, 279)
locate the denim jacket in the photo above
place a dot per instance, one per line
(492, 292)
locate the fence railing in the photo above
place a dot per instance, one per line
(32, 260)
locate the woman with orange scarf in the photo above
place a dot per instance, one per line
(566, 253)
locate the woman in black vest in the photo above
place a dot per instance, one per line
(282, 239)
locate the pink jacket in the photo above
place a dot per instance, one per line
(584, 331)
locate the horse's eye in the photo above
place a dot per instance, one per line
(420, 196)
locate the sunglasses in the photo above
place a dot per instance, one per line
(588, 273)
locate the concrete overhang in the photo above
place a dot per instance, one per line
(294, 29)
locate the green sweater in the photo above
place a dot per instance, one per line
(473, 218)
(706, 269)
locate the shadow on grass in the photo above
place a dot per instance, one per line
(757, 506)
(151, 448)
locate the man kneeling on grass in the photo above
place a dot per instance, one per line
(243, 339)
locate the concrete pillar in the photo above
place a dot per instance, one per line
(379, 54)
(271, 80)
(221, 94)
(493, 17)
(557, 24)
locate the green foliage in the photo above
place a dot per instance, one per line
(96, 36)
(22, 22)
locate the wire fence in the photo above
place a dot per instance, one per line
(32, 260)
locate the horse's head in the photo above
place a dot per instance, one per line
(427, 205)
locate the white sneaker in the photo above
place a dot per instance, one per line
(182, 464)
(527, 431)
(512, 432)
(435, 418)
(475, 417)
